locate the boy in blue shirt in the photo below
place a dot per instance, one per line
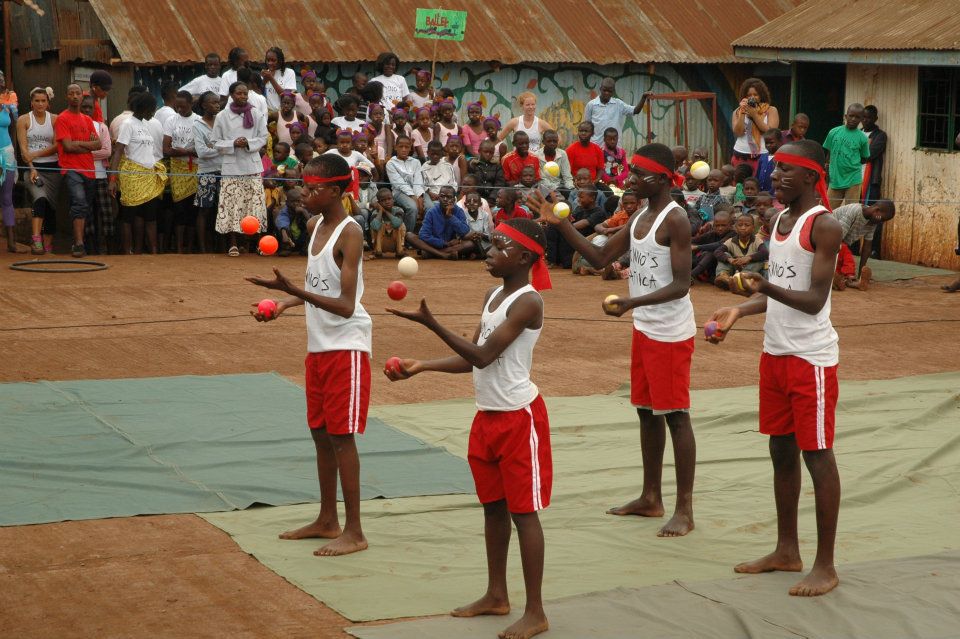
(444, 227)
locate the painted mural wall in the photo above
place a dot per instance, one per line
(563, 92)
(924, 184)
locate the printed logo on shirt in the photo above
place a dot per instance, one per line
(316, 281)
(783, 270)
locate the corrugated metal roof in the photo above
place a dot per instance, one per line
(926, 25)
(510, 31)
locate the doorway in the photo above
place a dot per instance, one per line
(820, 92)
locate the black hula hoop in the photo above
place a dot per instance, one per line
(77, 266)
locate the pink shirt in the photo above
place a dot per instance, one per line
(471, 140)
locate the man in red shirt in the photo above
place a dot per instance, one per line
(100, 84)
(520, 157)
(584, 154)
(76, 140)
(508, 207)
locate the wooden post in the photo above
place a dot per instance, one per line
(433, 65)
(7, 46)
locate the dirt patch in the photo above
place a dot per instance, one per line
(187, 315)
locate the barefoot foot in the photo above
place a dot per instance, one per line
(527, 626)
(485, 605)
(820, 581)
(678, 526)
(314, 530)
(641, 507)
(774, 561)
(343, 545)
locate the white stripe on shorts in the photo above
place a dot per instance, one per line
(821, 435)
(535, 463)
(353, 383)
(356, 408)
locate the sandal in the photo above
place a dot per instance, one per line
(233, 252)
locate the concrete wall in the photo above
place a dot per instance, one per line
(925, 184)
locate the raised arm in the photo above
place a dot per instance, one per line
(617, 245)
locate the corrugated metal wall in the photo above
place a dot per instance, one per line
(924, 184)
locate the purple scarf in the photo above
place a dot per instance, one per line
(246, 110)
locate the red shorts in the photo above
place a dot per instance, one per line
(800, 398)
(660, 374)
(338, 391)
(510, 457)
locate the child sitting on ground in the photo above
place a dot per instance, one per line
(453, 155)
(487, 171)
(582, 180)
(548, 152)
(615, 167)
(729, 189)
(713, 198)
(692, 192)
(444, 229)
(491, 126)
(527, 185)
(367, 198)
(741, 253)
(386, 224)
(422, 136)
(469, 186)
(740, 173)
(479, 221)
(435, 174)
(520, 157)
(507, 207)
(751, 189)
(291, 221)
(707, 241)
(585, 216)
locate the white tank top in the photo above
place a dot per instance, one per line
(505, 384)
(742, 144)
(533, 132)
(788, 331)
(651, 269)
(326, 331)
(39, 137)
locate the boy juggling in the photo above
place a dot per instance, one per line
(798, 367)
(658, 238)
(339, 343)
(509, 451)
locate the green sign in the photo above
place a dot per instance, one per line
(439, 24)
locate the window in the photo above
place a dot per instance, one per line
(938, 119)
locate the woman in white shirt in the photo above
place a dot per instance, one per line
(237, 59)
(209, 162)
(178, 145)
(395, 87)
(277, 77)
(38, 149)
(142, 176)
(239, 132)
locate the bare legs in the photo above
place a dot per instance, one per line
(652, 445)
(785, 455)
(497, 530)
(335, 454)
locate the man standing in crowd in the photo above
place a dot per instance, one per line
(606, 111)
(873, 175)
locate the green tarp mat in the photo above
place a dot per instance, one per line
(889, 271)
(915, 597)
(898, 449)
(93, 449)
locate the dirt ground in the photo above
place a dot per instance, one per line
(145, 316)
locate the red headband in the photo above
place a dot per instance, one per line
(807, 163)
(316, 179)
(652, 165)
(539, 275)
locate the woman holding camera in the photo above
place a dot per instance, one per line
(754, 116)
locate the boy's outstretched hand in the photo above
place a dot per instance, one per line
(617, 307)
(278, 283)
(421, 316)
(538, 203)
(725, 318)
(406, 369)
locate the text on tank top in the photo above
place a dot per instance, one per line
(505, 384)
(651, 268)
(788, 331)
(39, 137)
(327, 331)
(533, 132)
